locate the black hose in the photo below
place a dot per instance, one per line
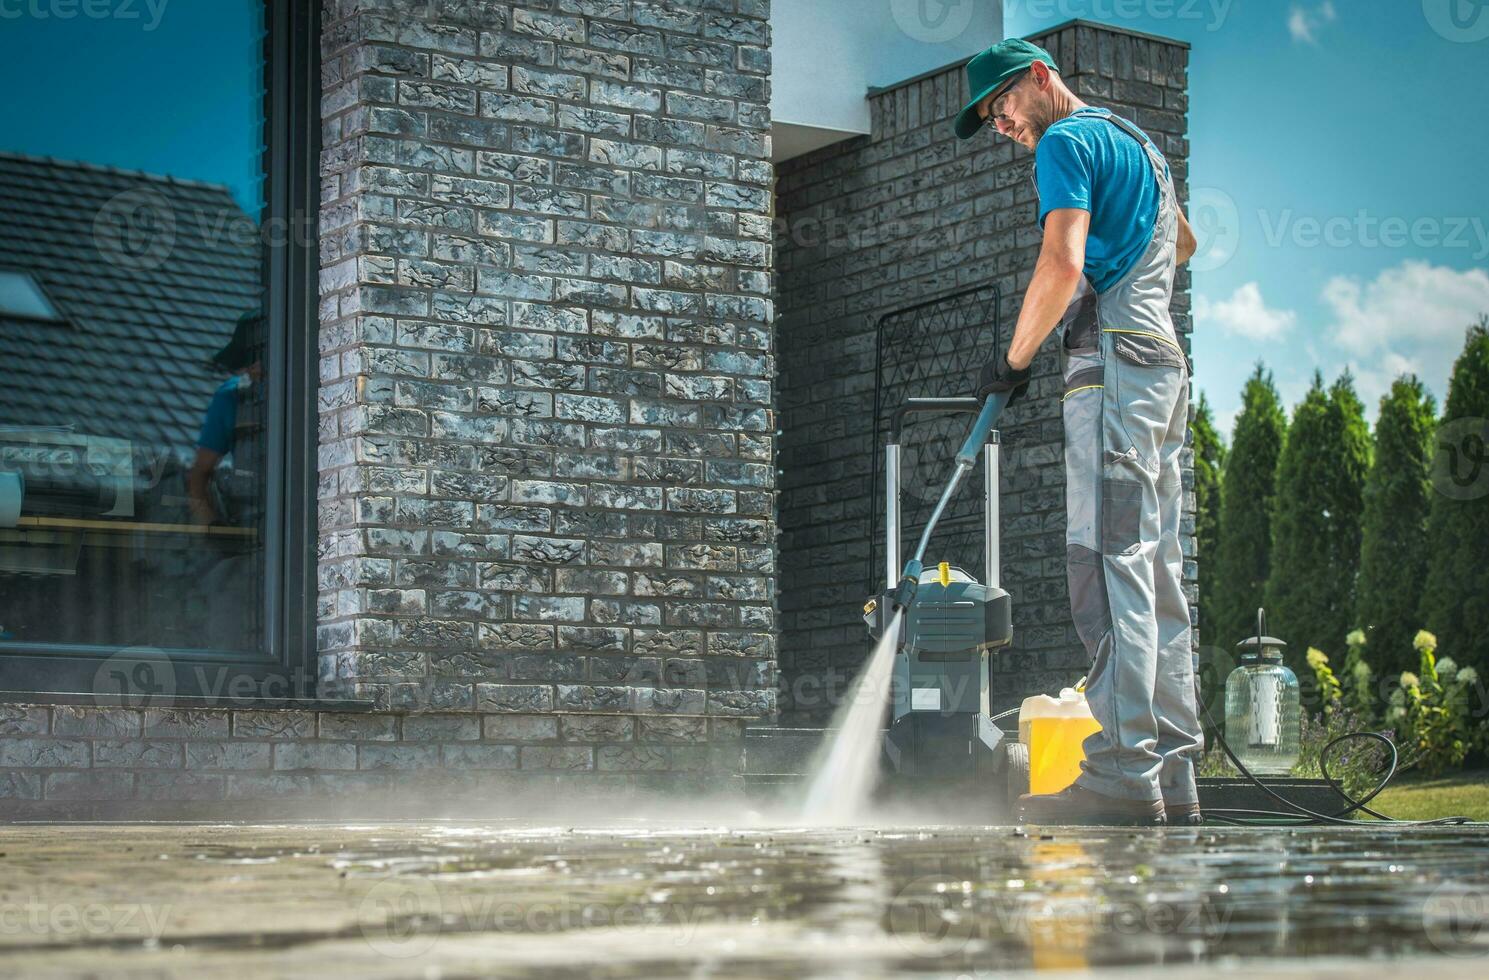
(1299, 815)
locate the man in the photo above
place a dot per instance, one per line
(219, 433)
(1113, 236)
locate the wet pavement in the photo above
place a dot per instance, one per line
(636, 900)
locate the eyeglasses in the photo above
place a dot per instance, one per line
(992, 116)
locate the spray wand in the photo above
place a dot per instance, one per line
(966, 458)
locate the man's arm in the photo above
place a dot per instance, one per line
(1062, 261)
(1188, 244)
(198, 483)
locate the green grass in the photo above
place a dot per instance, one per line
(1413, 797)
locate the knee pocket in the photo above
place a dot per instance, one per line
(1121, 516)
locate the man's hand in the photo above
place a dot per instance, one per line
(1187, 244)
(998, 377)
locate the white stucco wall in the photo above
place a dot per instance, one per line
(827, 53)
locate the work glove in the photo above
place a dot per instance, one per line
(998, 377)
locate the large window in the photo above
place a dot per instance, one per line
(155, 344)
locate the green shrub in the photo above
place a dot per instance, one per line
(1436, 711)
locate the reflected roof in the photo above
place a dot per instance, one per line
(149, 281)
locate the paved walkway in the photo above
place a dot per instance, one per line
(430, 900)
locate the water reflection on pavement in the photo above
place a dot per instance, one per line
(435, 899)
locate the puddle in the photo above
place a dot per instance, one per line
(450, 899)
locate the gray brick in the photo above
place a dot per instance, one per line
(48, 753)
(137, 754)
(73, 720)
(185, 723)
(89, 785)
(441, 728)
(519, 728)
(228, 755)
(373, 756)
(358, 726)
(23, 719)
(562, 757)
(315, 755)
(460, 756)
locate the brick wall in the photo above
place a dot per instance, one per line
(83, 762)
(879, 223)
(546, 357)
(546, 485)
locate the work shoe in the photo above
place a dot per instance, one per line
(1077, 806)
(1183, 814)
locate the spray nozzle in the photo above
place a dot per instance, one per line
(904, 593)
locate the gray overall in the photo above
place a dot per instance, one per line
(1126, 406)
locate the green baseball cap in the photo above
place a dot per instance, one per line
(991, 70)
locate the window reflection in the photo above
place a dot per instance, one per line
(133, 434)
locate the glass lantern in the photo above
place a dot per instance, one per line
(1263, 708)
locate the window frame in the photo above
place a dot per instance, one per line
(285, 668)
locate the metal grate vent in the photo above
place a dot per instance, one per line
(932, 349)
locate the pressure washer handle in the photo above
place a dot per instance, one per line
(991, 409)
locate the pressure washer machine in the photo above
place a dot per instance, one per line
(941, 732)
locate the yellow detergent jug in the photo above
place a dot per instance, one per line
(1053, 729)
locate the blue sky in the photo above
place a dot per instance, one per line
(1337, 157)
(114, 86)
(1338, 182)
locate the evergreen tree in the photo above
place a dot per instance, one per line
(1209, 461)
(1393, 550)
(1316, 534)
(1455, 601)
(1243, 553)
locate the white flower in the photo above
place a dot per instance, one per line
(1467, 675)
(1356, 638)
(1424, 641)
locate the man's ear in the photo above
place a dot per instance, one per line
(1041, 73)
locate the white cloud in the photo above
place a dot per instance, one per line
(1303, 23)
(1244, 314)
(1408, 319)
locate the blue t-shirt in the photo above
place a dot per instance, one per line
(1085, 162)
(222, 418)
